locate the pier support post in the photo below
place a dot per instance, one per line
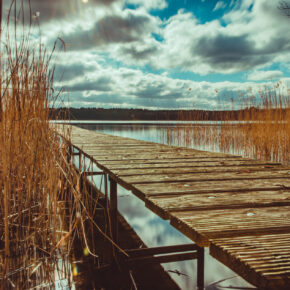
(80, 161)
(200, 268)
(69, 154)
(114, 209)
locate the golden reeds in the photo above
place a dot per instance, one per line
(36, 181)
(44, 204)
(29, 154)
(259, 129)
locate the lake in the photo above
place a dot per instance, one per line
(153, 230)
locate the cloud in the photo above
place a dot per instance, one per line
(135, 37)
(65, 72)
(265, 75)
(138, 54)
(228, 53)
(126, 27)
(219, 5)
(234, 45)
(150, 4)
(103, 85)
(56, 9)
(112, 49)
(100, 84)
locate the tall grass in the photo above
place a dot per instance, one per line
(45, 205)
(258, 127)
(29, 154)
(39, 209)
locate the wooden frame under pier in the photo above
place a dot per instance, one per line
(211, 198)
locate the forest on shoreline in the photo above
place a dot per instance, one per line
(153, 115)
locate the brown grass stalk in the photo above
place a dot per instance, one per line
(259, 129)
(43, 210)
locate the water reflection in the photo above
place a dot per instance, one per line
(157, 232)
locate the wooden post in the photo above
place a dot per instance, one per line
(69, 153)
(80, 161)
(114, 209)
(106, 187)
(200, 268)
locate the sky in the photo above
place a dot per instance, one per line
(166, 54)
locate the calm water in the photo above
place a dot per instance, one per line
(153, 230)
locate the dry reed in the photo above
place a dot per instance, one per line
(41, 210)
(260, 129)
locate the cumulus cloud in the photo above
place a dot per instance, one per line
(67, 9)
(219, 5)
(126, 27)
(135, 37)
(228, 53)
(150, 4)
(250, 37)
(265, 75)
(65, 72)
(102, 85)
(55, 9)
(238, 44)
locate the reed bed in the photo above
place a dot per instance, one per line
(259, 129)
(42, 209)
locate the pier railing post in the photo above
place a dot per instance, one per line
(114, 209)
(200, 268)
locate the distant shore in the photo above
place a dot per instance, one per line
(95, 114)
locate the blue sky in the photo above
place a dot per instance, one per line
(170, 54)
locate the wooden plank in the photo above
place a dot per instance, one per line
(127, 161)
(161, 151)
(163, 205)
(157, 151)
(262, 260)
(86, 146)
(187, 177)
(207, 196)
(196, 163)
(193, 170)
(201, 226)
(173, 158)
(179, 188)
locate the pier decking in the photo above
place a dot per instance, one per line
(238, 207)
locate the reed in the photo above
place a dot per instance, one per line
(258, 126)
(41, 212)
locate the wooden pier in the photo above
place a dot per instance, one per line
(238, 207)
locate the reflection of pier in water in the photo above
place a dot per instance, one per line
(238, 207)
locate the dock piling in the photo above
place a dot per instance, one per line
(114, 209)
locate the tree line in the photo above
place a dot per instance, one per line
(151, 115)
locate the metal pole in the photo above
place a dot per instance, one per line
(114, 209)
(200, 268)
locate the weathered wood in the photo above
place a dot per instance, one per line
(161, 250)
(202, 226)
(246, 174)
(240, 206)
(162, 152)
(137, 159)
(161, 259)
(179, 188)
(270, 268)
(192, 170)
(196, 163)
(114, 210)
(200, 269)
(163, 205)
